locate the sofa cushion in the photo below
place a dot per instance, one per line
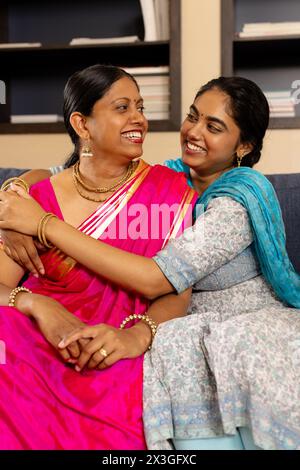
(287, 187)
(6, 173)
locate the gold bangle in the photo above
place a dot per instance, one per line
(145, 318)
(14, 293)
(41, 229)
(17, 181)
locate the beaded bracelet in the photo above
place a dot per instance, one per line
(17, 181)
(14, 293)
(41, 229)
(151, 323)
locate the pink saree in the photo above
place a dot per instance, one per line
(45, 404)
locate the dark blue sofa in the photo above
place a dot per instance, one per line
(287, 187)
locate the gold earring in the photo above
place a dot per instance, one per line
(86, 151)
(239, 159)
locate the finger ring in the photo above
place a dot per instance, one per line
(103, 352)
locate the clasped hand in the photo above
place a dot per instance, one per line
(94, 347)
(106, 345)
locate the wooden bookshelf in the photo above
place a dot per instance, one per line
(35, 76)
(273, 62)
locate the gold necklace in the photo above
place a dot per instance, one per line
(78, 177)
(78, 184)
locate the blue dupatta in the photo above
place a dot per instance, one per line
(255, 192)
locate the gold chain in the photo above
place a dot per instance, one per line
(78, 183)
(77, 176)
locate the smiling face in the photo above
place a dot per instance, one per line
(209, 135)
(117, 125)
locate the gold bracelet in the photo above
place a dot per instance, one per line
(145, 318)
(41, 229)
(17, 181)
(14, 293)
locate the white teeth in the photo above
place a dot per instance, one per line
(195, 148)
(133, 135)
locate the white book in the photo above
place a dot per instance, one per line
(165, 98)
(257, 34)
(113, 40)
(148, 12)
(150, 90)
(156, 115)
(270, 25)
(281, 101)
(156, 106)
(284, 109)
(284, 104)
(162, 69)
(35, 118)
(281, 114)
(11, 45)
(161, 8)
(145, 80)
(278, 94)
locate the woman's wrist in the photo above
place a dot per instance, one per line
(51, 228)
(24, 303)
(143, 335)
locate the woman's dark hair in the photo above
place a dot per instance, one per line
(249, 109)
(81, 92)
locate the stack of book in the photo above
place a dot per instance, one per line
(156, 19)
(284, 28)
(154, 83)
(281, 103)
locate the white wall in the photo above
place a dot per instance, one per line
(201, 55)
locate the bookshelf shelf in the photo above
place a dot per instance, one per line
(272, 61)
(35, 76)
(273, 51)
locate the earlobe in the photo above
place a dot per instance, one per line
(245, 149)
(78, 122)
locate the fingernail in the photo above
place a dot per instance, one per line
(36, 275)
(42, 272)
(77, 368)
(72, 361)
(61, 344)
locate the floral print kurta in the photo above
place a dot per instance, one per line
(235, 359)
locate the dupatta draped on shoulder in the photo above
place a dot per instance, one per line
(255, 192)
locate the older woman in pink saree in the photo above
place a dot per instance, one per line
(45, 403)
